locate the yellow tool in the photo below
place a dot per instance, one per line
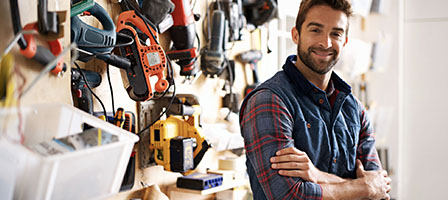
(119, 118)
(6, 81)
(178, 142)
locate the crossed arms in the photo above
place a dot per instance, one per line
(292, 162)
(284, 172)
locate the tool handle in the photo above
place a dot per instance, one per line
(85, 101)
(82, 96)
(103, 17)
(217, 32)
(85, 35)
(198, 157)
(119, 118)
(80, 91)
(129, 176)
(118, 61)
(45, 56)
(182, 13)
(254, 72)
(41, 54)
(47, 21)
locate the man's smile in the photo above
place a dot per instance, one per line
(323, 54)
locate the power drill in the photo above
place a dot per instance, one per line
(82, 96)
(183, 34)
(250, 57)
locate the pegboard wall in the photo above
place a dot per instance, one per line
(56, 89)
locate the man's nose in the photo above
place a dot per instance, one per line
(325, 41)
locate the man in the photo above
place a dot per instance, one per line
(306, 135)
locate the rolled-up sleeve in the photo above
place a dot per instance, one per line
(266, 126)
(366, 151)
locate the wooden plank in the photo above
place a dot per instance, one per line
(50, 88)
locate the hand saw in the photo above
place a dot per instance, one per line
(147, 60)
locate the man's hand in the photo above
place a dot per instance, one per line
(378, 182)
(295, 163)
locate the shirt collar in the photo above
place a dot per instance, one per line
(306, 86)
(330, 88)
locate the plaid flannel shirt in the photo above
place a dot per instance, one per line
(330, 126)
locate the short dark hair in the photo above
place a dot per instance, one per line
(306, 5)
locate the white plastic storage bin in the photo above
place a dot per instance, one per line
(93, 173)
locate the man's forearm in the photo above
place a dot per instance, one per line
(330, 178)
(368, 185)
(348, 189)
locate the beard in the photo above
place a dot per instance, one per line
(320, 67)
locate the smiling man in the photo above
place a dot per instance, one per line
(306, 135)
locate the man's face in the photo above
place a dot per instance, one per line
(322, 37)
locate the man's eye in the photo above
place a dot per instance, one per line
(314, 30)
(337, 34)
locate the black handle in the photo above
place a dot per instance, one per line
(47, 21)
(118, 61)
(85, 102)
(44, 56)
(201, 153)
(254, 72)
(217, 32)
(128, 179)
(16, 25)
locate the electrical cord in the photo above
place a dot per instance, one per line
(90, 89)
(199, 41)
(144, 18)
(194, 3)
(219, 4)
(231, 85)
(111, 90)
(16, 25)
(157, 42)
(108, 46)
(170, 69)
(88, 55)
(206, 20)
(168, 106)
(171, 83)
(163, 113)
(146, 22)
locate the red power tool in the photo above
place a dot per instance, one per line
(183, 34)
(146, 60)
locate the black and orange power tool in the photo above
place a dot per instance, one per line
(147, 60)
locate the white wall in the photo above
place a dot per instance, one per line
(424, 135)
(383, 88)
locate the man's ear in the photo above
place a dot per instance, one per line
(295, 35)
(346, 41)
